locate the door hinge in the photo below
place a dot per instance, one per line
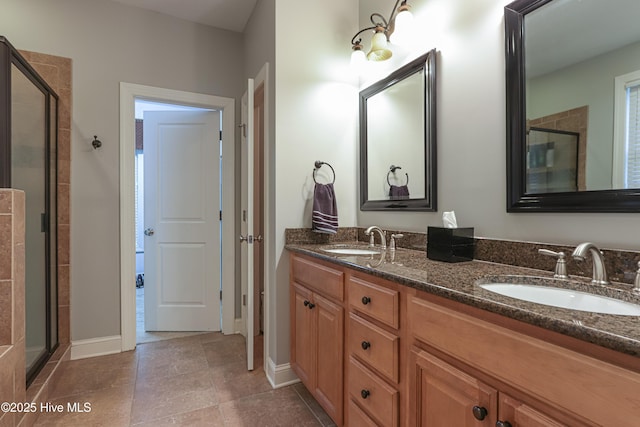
(220, 294)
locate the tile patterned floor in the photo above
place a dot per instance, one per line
(198, 380)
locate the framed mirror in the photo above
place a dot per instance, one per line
(398, 139)
(572, 96)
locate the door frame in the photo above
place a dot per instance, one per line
(128, 94)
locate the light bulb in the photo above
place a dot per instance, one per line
(403, 27)
(358, 59)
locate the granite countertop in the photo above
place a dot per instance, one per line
(457, 282)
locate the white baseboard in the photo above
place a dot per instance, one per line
(238, 326)
(281, 375)
(82, 349)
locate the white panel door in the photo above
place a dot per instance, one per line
(182, 220)
(246, 228)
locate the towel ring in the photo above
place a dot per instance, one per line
(392, 169)
(318, 164)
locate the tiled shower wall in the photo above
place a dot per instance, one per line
(12, 321)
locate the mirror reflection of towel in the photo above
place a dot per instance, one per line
(399, 192)
(324, 218)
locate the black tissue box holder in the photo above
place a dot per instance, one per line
(450, 244)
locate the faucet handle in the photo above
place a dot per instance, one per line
(392, 243)
(561, 265)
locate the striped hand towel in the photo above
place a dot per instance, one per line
(324, 218)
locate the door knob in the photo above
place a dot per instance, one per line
(149, 232)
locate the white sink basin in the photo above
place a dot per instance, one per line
(350, 251)
(564, 298)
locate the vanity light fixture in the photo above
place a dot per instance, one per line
(395, 29)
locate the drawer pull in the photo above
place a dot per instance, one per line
(479, 413)
(503, 424)
(365, 345)
(366, 300)
(364, 393)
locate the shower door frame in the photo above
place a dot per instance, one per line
(10, 56)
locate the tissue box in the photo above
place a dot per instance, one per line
(450, 244)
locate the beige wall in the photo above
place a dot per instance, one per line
(109, 43)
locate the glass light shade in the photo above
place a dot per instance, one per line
(379, 47)
(358, 59)
(403, 28)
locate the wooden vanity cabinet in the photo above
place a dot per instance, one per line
(525, 381)
(376, 353)
(317, 331)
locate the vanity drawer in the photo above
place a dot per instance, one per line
(374, 345)
(358, 418)
(377, 398)
(324, 279)
(376, 301)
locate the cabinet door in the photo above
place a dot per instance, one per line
(442, 395)
(517, 414)
(330, 344)
(303, 334)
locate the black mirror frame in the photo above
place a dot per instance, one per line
(426, 62)
(517, 199)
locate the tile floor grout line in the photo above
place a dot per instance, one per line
(238, 388)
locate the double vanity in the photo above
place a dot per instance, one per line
(388, 337)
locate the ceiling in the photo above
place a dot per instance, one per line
(226, 14)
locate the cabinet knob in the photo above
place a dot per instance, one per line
(366, 300)
(364, 393)
(479, 413)
(365, 345)
(503, 424)
(311, 305)
(306, 303)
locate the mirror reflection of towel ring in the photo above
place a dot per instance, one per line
(318, 164)
(392, 169)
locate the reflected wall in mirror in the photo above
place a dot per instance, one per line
(398, 139)
(573, 68)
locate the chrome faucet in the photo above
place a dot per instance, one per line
(383, 236)
(599, 271)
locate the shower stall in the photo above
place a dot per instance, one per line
(28, 162)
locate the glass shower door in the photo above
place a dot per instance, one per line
(29, 173)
